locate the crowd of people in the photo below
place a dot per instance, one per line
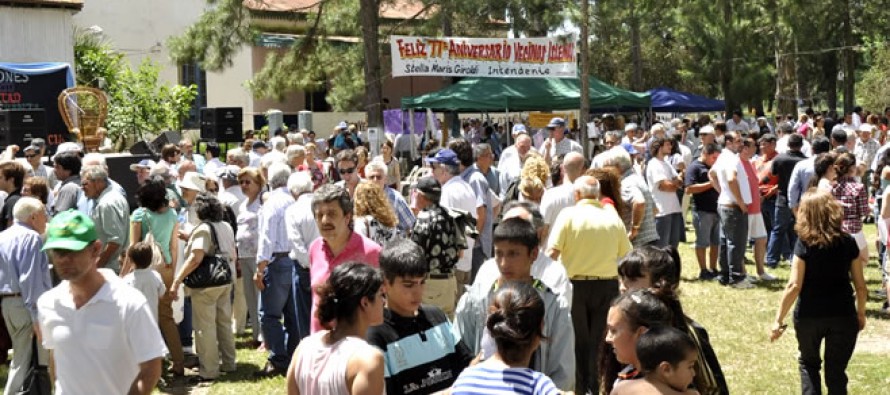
(510, 263)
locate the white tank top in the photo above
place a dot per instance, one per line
(321, 368)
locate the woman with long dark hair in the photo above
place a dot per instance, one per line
(338, 360)
(828, 309)
(515, 323)
(631, 314)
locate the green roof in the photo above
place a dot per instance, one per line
(525, 94)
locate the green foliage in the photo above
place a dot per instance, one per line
(138, 102)
(873, 91)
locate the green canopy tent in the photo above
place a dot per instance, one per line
(524, 94)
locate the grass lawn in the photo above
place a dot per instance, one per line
(737, 321)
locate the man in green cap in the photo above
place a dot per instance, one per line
(92, 319)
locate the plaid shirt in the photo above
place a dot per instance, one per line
(852, 196)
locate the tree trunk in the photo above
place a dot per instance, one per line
(784, 66)
(585, 83)
(849, 64)
(636, 51)
(726, 57)
(370, 10)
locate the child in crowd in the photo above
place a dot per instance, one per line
(144, 278)
(422, 354)
(667, 356)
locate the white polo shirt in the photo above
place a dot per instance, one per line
(457, 193)
(727, 162)
(98, 347)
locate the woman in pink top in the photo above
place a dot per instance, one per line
(338, 360)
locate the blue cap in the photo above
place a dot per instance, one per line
(556, 122)
(445, 157)
(629, 148)
(519, 128)
(342, 125)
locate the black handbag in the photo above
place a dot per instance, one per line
(37, 381)
(213, 271)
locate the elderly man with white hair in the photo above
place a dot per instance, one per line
(274, 275)
(24, 276)
(296, 155)
(237, 157)
(96, 159)
(302, 230)
(639, 217)
(110, 213)
(589, 239)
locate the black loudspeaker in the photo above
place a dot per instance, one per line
(222, 124)
(142, 148)
(19, 127)
(119, 171)
(163, 139)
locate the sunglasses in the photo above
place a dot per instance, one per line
(346, 171)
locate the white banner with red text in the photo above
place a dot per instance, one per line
(484, 57)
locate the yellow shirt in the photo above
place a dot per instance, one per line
(590, 239)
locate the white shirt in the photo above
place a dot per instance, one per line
(551, 273)
(555, 199)
(212, 166)
(302, 229)
(782, 146)
(741, 126)
(729, 162)
(149, 282)
(562, 147)
(457, 194)
(98, 347)
(232, 197)
(273, 232)
(666, 202)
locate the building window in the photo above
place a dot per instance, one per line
(193, 74)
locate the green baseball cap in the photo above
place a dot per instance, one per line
(70, 230)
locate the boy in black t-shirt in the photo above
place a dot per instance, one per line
(422, 353)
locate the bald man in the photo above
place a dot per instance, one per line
(510, 165)
(557, 198)
(589, 239)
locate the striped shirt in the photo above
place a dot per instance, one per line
(272, 228)
(400, 206)
(508, 381)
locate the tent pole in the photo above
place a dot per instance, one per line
(411, 131)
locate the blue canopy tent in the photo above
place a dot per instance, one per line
(669, 100)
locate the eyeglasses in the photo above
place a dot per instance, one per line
(346, 171)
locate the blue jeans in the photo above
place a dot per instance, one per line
(669, 228)
(277, 301)
(304, 300)
(733, 242)
(185, 326)
(782, 236)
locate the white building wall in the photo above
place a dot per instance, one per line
(36, 35)
(229, 88)
(140, 29)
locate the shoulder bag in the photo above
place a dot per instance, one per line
(213, 271)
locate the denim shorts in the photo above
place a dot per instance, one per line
(707, 228)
